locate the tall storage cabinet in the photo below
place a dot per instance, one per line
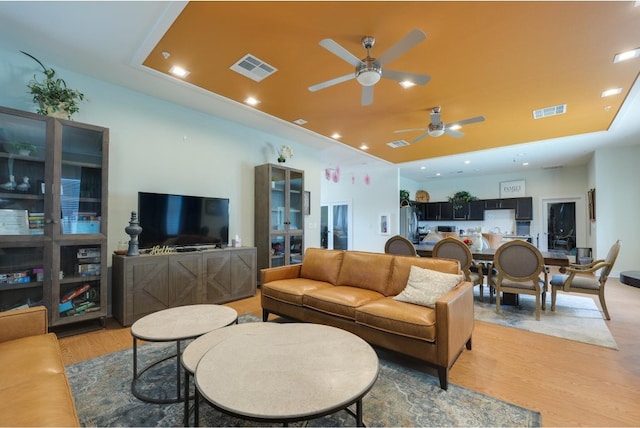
(279, 219)
(53, 223)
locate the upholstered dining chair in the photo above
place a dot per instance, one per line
(575, 280)
(400, 245)
(452, 248)
(519, 265)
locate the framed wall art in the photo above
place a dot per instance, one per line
(306, 203)
(383, 224)
(512, 189)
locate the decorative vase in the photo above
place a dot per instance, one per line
(282, 159)
(133, 230)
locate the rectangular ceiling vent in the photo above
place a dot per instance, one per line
(550, 111)
(398, 143)
(253, 68)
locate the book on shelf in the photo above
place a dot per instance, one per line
(75, 293)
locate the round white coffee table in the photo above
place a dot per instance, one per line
(175, 325)
(285, 372)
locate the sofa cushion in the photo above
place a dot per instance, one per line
(29, 358)
(402, 266)
(322, 265)
(404, 319)
(370, 271)
(292, 290)
(425, 286)
(38, 401)
(340, 301)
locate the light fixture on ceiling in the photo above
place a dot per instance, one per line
(336, 136)
(166, 55)
(300, 121)
(363, 146)
(623, 56)
(406, 84)
(611, 92)
(467, 162)
(369, 73)
(252, 101)
(436, 130)
(179, 71)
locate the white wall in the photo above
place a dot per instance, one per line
(369, 199)
(618, 204)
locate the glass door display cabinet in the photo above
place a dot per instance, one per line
(53, 205)
(279, 218)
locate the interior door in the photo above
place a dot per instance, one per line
(564, 224)
(335, 225)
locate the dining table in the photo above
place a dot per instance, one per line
(551, 258)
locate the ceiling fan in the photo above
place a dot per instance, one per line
(437, 128)
(369, 70)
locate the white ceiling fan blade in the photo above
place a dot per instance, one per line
(453, 133)
(468, 121)
(400, 76)
(332, 82)
(414, 37)
(420, 137)
(367, 95)
(410, 130)
(340, 52)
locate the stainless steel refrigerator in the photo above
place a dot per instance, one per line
(409, 223)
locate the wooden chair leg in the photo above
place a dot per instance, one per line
(553, 298)
(604, 306)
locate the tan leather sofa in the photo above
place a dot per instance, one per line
(34, 390)
(354, 291)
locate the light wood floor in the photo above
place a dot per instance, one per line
(570, 383)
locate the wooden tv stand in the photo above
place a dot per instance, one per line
(148, 283)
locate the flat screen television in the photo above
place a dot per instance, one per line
(182, 221)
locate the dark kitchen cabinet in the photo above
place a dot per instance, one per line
(524, 209)
(476, 210)
(437, 211)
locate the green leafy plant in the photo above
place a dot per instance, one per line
(404, 195)
(459, 197)
(52, 94)
(22, 145)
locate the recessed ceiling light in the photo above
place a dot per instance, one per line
(179, 71)
(252, 101)
(407, 84)
(525, 163)
(363, 146)
(623, 56)
(437, 174)
(467, 162)
(610, 92)
(336, 136)
(423, 167)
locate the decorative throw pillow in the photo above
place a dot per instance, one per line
(425, 286)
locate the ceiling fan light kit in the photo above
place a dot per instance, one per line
(368, 73)
(436, 130)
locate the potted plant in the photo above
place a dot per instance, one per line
(23, 148)
(459, 198)
(404, 198)
(52, 94)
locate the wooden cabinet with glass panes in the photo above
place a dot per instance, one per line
(53, 225)
(279, 218)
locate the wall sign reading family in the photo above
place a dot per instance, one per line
(512, 189)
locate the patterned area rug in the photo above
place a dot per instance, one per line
(401, 396)
(575, 318)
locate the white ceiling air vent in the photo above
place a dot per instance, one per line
(253, 68)
(550, 111)
(398, 143)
